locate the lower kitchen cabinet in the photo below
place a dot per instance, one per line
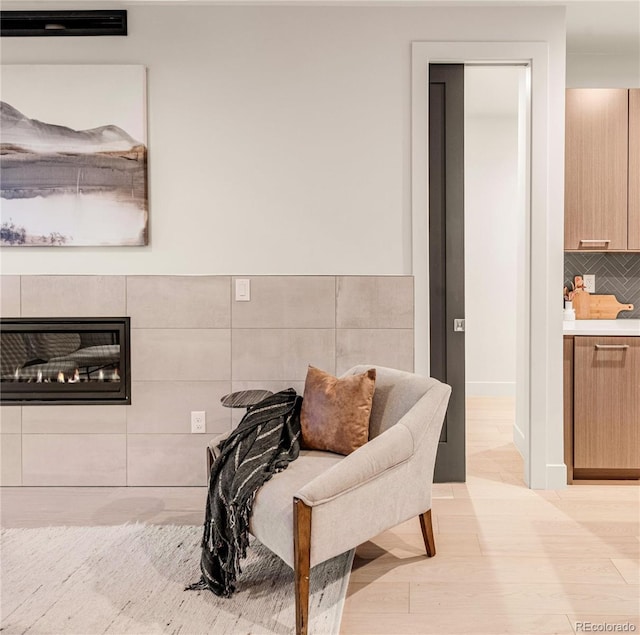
(602, 407)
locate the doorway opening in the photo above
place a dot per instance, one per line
(496, 151)
(478, 252)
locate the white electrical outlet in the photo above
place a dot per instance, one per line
(589, 282)
(198, 422)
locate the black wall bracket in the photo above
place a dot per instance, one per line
(62, 23)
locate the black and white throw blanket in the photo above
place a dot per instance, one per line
(265, 442)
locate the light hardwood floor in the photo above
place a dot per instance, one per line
(509, 560)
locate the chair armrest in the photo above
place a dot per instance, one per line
(213, 449)
(216, 441)
(390, 449)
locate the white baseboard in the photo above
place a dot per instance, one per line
(519, 441)
(556, 476)
(490, 388)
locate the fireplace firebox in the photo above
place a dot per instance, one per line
(65, 361)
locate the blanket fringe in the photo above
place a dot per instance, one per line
(200, 585)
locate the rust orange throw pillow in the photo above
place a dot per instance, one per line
(335, 412)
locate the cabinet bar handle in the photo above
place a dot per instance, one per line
(612, 347)
(595, 240)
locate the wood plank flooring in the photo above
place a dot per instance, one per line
(509, 560)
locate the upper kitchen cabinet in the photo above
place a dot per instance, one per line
(596, 169)
(634, 168)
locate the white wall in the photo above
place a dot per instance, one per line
(603, 71)
(603, 44)
(279, 137)
(278, 140)
(491, 228)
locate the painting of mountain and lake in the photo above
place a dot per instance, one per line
(73, 156)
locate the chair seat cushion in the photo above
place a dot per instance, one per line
(272, 518)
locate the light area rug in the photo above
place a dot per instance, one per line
(131, 579)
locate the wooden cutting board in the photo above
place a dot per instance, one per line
(606, 307)
(582, 305)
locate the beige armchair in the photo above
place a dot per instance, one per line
(324, 504)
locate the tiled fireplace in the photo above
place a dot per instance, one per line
(191, 344)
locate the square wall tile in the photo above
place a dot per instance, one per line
(78, 419)
(180, 354)
(287, 302)
(10, 296)
(165, 406)
(10, 419)
(179, 301)
(383, 347)
(276, 354)
(167, 459)
(73, 296)
(74, 459)
(10, 459)
(375, 302)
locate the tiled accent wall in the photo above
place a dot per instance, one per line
(191, 343)
(617, 274)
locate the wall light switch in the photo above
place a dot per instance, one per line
(243, 290)
(589, 282)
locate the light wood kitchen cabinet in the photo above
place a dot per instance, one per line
(634, 169)
(596, 169)
(606, 407)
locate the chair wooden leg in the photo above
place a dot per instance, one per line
(427, 533)
(302, 562)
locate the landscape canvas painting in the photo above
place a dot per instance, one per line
(73, 156)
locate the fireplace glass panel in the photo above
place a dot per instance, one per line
(65, 361)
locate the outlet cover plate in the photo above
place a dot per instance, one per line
(589, 282)
(198, 422)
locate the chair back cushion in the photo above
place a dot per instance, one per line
(396, 392)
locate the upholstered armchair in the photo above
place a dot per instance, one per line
(324, 504)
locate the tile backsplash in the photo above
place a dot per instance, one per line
(617, 274)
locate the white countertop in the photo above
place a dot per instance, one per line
(602, 327)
